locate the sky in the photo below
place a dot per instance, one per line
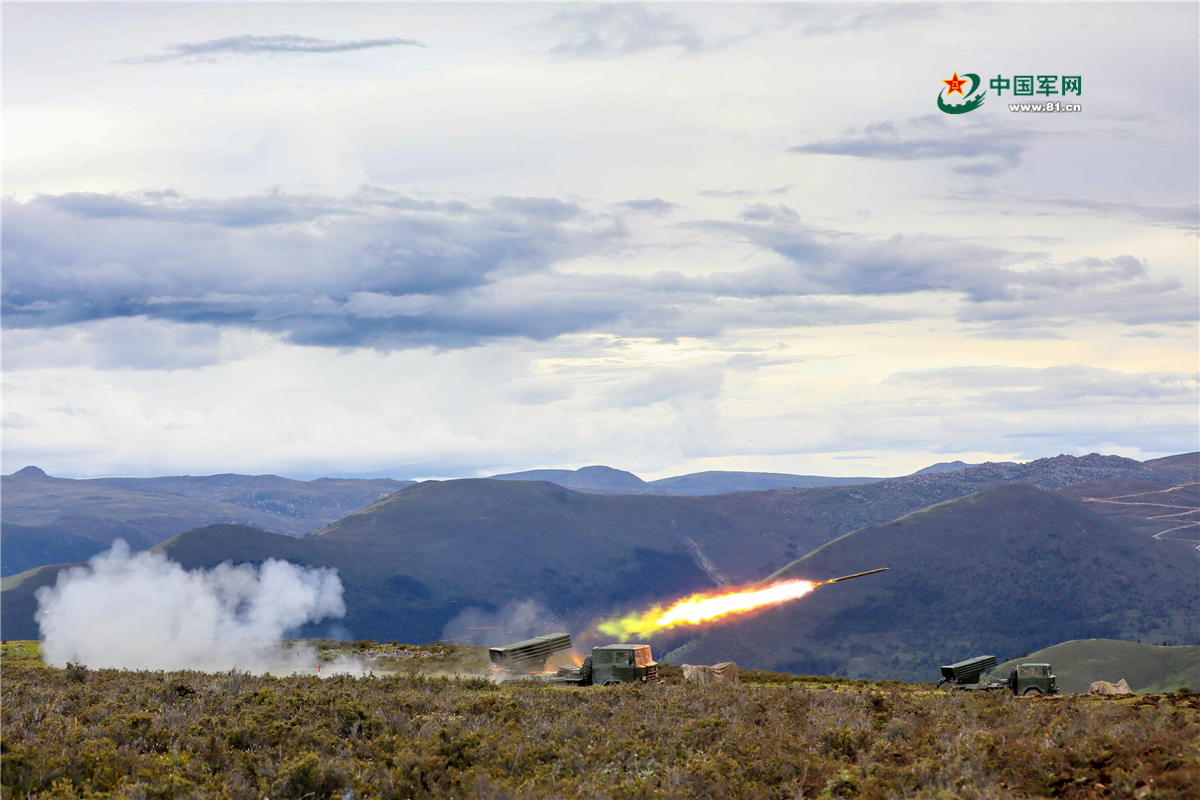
(453, 240)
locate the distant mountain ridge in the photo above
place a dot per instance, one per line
(48, 520)
(606, 480)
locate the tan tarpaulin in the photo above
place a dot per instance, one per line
(725, 672)
(1104, 687)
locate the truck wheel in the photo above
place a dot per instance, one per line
(1032, 691)
(585, 672)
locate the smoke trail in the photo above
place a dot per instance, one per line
(516, 621)
(147, 612)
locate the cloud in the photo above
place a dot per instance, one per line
(123, 343)
(675, 385)
(930, 137)
(624, 29)
(382, 270)
(171, 206)
(999, 286)
(654, 205)
(1068, 386)
(1014, 412)
(619, 29)
(247, 44)
(329, 270)
(744, 192)
(1181, 217)
(821, 19)
(375, 269)
(748, 362)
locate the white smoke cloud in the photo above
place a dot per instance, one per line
(146, 612)
(512, 623)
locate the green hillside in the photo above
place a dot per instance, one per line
(1004, 571)
(1148, 668)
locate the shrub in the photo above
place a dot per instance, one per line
(132, 734)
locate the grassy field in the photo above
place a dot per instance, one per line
(105, 733)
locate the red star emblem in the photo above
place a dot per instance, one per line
(956, 83)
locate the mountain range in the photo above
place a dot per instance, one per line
(48, 520)
(436, 557)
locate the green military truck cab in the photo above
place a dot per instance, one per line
(623, 663)
(1032, 679)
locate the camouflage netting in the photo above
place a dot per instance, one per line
(1104, 687)
(725, 672)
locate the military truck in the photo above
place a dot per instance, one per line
(1023, 679)
(607, 665)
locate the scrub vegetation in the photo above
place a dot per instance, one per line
(77, 732)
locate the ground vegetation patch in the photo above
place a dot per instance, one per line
(77, 732)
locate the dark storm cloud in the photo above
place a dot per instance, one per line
(380, 269)
(254, 45)
(930, 137)
(619, 29)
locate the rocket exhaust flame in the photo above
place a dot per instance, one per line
(701, 608)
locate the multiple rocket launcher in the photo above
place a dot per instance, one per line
(615, 663)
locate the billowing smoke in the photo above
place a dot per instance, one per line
(146, 612)
(512, 623)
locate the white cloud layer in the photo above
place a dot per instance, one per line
(285, 238)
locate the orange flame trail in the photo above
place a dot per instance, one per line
(705, 607)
